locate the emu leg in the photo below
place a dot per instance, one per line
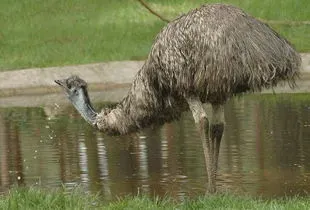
(216, 131)
(202, 124)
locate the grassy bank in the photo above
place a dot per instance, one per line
(52, 32)
(42, 199)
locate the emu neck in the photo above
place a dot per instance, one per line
(82, 104)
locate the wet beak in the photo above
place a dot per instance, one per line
(59, 82)
(62, 83)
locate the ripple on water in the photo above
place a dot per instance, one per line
(264, 152)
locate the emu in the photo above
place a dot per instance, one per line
(208, 55)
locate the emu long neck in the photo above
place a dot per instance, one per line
(137, 110)
(84, 107)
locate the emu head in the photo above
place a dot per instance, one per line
(73, 86)
(76, 91)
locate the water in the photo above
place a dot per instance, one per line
(265, 152)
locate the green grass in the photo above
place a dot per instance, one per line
(37, 33)
(35, 198)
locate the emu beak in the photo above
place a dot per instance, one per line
(62, 83)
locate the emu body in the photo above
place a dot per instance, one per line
(206, 56)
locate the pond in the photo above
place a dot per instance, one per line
(265, 151)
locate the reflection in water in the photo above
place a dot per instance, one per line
(264, 152)
(3, 154)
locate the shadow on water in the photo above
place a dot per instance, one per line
(265, 152)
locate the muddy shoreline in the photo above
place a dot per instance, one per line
(108, 82)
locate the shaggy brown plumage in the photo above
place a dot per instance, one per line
(213, 52)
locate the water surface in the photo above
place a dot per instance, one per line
(265, 151)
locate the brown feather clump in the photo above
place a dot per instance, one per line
(213, 52)
(220, 50)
